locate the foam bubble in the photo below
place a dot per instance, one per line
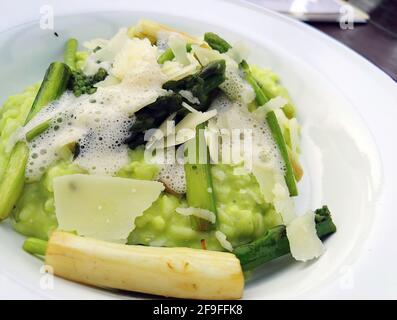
(173, 176)
(235, 86)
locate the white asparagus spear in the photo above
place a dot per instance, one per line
(151, 29)
(170, 272)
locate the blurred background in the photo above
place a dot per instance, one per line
(366, 26)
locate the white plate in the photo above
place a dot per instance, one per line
(347, 108)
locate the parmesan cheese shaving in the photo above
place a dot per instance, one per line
(188, 95)
(176, 71)
(282, 202)
(189, 108)
(198, 212)
(221, 237)
(104, 57)
(303, 240)
(134, 53)
(188, 124)
(178, 47)
(276, 103)
(238, 52)
(274, 190)
(102, 207)
(183, 131)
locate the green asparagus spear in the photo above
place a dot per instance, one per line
(52, 87)
(260, 95)
(35, 246)
(70, 53)
(213, 40)
(30, 135)
(279, 139)
(152, 116)
(272, 121)
(199, 188)
(13, 181)
(324, 224)
(80, 84)
(168, 55)
(288, 109)
(274, 243)
(216, 42)
(201, 84)
(83, 84)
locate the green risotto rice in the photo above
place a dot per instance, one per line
(242, 214)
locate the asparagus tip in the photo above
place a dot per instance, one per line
(35, 246)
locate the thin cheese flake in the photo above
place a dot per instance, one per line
(134, 52)
(303, 240)
(178, 47)
(198, 212)
(283, 203)
(176, 71)
(183, 131)
(274, 189)
(104, 57)
(102, 207)
(221, 237)
(193, 119)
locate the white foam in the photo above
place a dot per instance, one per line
(235, 86)
(234, 115)
(99, 130)
(173, 176)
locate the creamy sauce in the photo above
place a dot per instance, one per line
(234, 116)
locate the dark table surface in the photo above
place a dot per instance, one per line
(370, 41)
(375, 40)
